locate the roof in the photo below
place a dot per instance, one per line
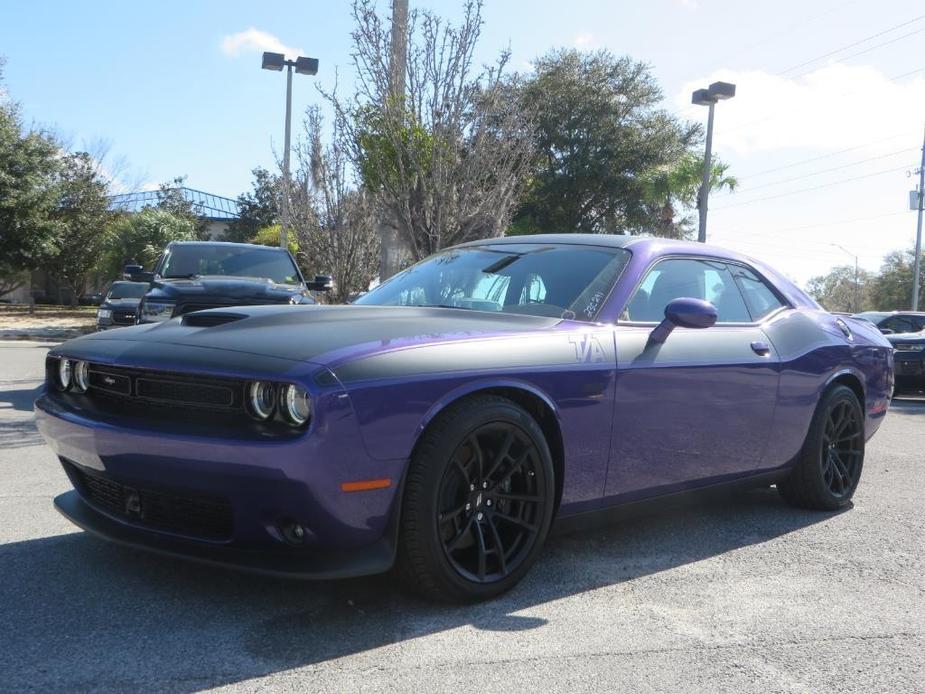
(206, 205)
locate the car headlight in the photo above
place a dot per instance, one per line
(261, 399)
(910, 348)
(80, 374)
(104, 313)
(155, 311)
(64, 373)
(295, 404)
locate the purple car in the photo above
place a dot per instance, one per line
(443, 422)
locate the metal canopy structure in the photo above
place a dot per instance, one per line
(206, 205)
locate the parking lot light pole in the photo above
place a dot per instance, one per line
(857, 282)
(303, 66)
(917, 264)
(718, 91)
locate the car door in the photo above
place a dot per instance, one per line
(699, 405)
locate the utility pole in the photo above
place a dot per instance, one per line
(917, 265)
(857, 277)
(388, 236)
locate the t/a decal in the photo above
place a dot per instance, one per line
(588, 349)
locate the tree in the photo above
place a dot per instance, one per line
(599, 135)
(141, 237)
(171, 198)
(892, 289)
(334, 221)
(837, 291)
(269, 236)
(28, 165)
(675, 187)
(256, 209)
(80, 215)
(444, 161)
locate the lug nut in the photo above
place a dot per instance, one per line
(468, 506)
(479, 516)
(484, 485)
(488, 503)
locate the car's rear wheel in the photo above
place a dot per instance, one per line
(828, 469)
(478, 501)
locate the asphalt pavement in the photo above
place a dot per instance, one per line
(743, 594)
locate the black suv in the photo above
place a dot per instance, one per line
(120, 306)
(895, 321)
(196, 275)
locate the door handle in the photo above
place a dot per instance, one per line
(762, 349)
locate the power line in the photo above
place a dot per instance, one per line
(824, 156)
(856, 43)
(829, 170)
(867, 50)
(806, 190)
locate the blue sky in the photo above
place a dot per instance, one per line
(176, 89)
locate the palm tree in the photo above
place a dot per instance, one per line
(677, 186)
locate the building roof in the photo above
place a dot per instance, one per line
(206, 205)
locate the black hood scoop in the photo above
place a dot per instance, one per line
(209, 319)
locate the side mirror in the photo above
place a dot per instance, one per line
(684, 313)
(321, 283)
(130, 271)
(886, 331)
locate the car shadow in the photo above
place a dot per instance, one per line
(20, 400)
(78, 611)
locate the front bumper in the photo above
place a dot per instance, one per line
(911, 366)
(294, 563)
(265, 483)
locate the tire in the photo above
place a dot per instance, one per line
(478, 501)
(828, 468)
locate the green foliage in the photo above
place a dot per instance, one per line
(140, 238)
(27, 169)
(599, 134)
(389, 152)
(170, 198)
(269, 236)
(888, 290)
(837, 291)
(80, 215)
(675, 187)
(257, 209)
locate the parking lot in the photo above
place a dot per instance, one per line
(742, 595)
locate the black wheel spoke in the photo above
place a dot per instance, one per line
(454, 543)
(525, 498)
(516, 521)
(449, 516)
(502, 455)
(482, 551)
(499, 547)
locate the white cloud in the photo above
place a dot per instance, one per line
(255, 41)
(584, 40)
(690, 4)
(831, 108)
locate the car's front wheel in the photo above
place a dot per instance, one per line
(828, 468)
(478, 501)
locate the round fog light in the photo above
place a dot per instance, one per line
(296, 404)
(261, 399)
(81, 376)
(64, 374)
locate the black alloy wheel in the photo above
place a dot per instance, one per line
(826, 473)
(491, 502)
(842, 449)
(478, 501)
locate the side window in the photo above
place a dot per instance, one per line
(682, 277)
(898, 324)
(761, 299)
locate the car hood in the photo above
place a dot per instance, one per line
(906, 338)
(225, 287)
(120, 303)
(321, 334)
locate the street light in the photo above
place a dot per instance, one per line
(303, 66)
(718, 91)
(857, 281)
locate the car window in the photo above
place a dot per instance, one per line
(677, 278)
(898, 324)
(761, 299)
(194, 260)
(127, 290)
(570, 281)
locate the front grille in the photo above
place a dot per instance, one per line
(123, 317)
(204, 517)
(167, 388)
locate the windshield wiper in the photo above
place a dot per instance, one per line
(499, 265)
(191, 276)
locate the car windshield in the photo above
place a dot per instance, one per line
(127, 290)
(232, 261)
(568, 281)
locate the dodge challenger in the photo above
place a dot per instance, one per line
(442, 423)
